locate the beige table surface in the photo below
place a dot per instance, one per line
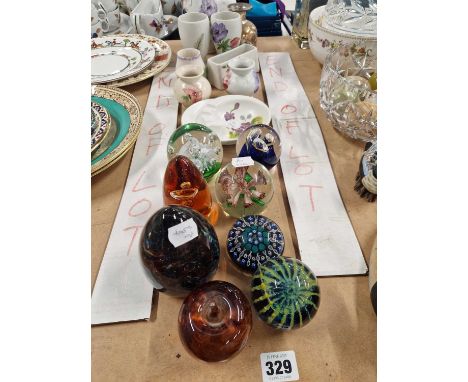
(339, 344)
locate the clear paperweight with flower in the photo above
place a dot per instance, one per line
(348, 91)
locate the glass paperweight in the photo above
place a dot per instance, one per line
(366, 178)
(352, 16)
(215, 321)
(253, 240)
(285, 293)
(199, 144)
(184, 185)
(179, 249)
(244, 191)
(346, 93)
(261, 143)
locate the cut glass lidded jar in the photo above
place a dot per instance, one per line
(348, 91)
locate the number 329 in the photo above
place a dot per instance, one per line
(286, 365)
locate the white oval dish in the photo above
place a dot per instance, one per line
(227, 116)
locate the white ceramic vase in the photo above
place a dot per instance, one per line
(208, 7)
(241, 77)
(194, 31)
(189, 56)
(190, 85)
(226, 30)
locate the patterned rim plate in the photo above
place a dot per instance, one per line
(116, 57)
(101, 127)
(162, 59)
(125, 112)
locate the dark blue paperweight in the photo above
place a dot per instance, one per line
(261, 143)
(253, 240)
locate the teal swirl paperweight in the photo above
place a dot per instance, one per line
(285, 293)
(253, 240)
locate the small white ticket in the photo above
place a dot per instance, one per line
(182, 233)
(242, 162)
(279, 366)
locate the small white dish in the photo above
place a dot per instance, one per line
(218, 65)
(228, 116)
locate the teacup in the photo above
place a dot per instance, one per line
(106, 4)
(226, 30)
(97, 29)
(111, 18)
(147, 18)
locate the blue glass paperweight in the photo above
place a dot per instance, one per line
(261, 143)
(253, 240)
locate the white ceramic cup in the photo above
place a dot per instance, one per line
(106, 4)
(194, 31)
(226, 30)
(147, 18)
(110, 18)
(97, 29)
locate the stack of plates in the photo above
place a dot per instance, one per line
(115, 123)
(125, 59)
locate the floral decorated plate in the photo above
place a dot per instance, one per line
(101, 125)
(116, 57)
(126, 116)
(161, 60)
(228, 116)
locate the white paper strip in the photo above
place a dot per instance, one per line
(326, 239)
(122, 291)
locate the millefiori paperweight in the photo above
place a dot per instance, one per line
(253, 240)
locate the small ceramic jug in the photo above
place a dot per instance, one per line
(241, 77)
(190, 86)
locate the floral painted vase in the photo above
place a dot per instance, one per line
(190, 86)
(226, 30)
(241, 77)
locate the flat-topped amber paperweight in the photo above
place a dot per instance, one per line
(179, 249)
(184, 185)
(215, 321)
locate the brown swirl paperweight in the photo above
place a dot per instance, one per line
(215, 321)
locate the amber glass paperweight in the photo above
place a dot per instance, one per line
(242, 191)
(199, 144)
(285, 293)
(252, 240)
(179, 249)
(184, 185)
(260, 142)
(215, 321)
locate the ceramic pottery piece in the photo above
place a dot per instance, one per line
(242, 191)
(241, 77)
(115, 57)
(100, 125)
(200, 145)
(285, 293)
(194, 30)
(184, 185)
(215, 321)
(226, 30)
(161, 60)
(208, 7)
(228, 115)
(189, 56)
(253, 240)
(218, 65)
(147, 19)
(190, 86)
(175, 263)
(249, 30)
(261, 143)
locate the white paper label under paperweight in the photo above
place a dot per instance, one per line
(242, 162)
(183, 232)
(279, 366)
